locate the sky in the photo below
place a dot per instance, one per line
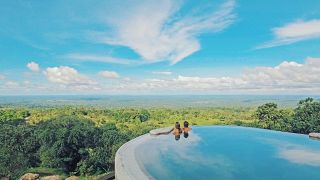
(159, 47)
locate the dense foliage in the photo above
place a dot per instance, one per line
(305, 118)
(18, 148)
(69, 143)
(84, 140)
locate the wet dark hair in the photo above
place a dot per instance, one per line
(177, 126)
(186, 124)
(185, 135)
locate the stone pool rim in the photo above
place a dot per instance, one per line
(126, 165)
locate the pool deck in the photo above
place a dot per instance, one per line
(126, 164)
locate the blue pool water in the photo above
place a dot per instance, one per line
(226, 152)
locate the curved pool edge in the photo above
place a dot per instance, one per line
(126, 165)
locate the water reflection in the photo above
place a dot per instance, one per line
(301, 156)
(177, 137)
(230, 153)
(295, 153)
(185, 134)
(182, 152)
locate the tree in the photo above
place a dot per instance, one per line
(100, 159)
(268, 114)
(63, 141)
(144, 115)
(285, 120)
(18, 148)
(12, 115)
(307, 116)
(77, 145)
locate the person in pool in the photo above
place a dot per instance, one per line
(177, 131)
(186, 129)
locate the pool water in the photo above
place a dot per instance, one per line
(227, 152)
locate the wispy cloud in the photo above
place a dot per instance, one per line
(11, 84)
(98, 58)
(29, 42)
(293, 32)
(162, 72)
(155, 30)
(109, 74)
(2, 77)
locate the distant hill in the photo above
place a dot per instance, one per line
(154, 100)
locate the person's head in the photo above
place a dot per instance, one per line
(177, 126)
(185, 134)
(186, 124)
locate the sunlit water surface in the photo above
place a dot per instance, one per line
(217, 152)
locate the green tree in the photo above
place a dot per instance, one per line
(13, 114)
(18, 148)
(285, 121)
(100, 159)
(63, 141)
(307, 116)
(144, 115)
(268, 114)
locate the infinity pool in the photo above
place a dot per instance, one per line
(227, 152)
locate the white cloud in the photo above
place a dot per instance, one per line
(2, 77)
(11, 84)
(109, 74)
(68, 76)
(127, 79)
(287, 74)
(155, 30)
(162, 72)
(294, 32)
(98, 58)
(287, 77)
(33, 66)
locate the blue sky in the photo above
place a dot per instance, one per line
(159, 47)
